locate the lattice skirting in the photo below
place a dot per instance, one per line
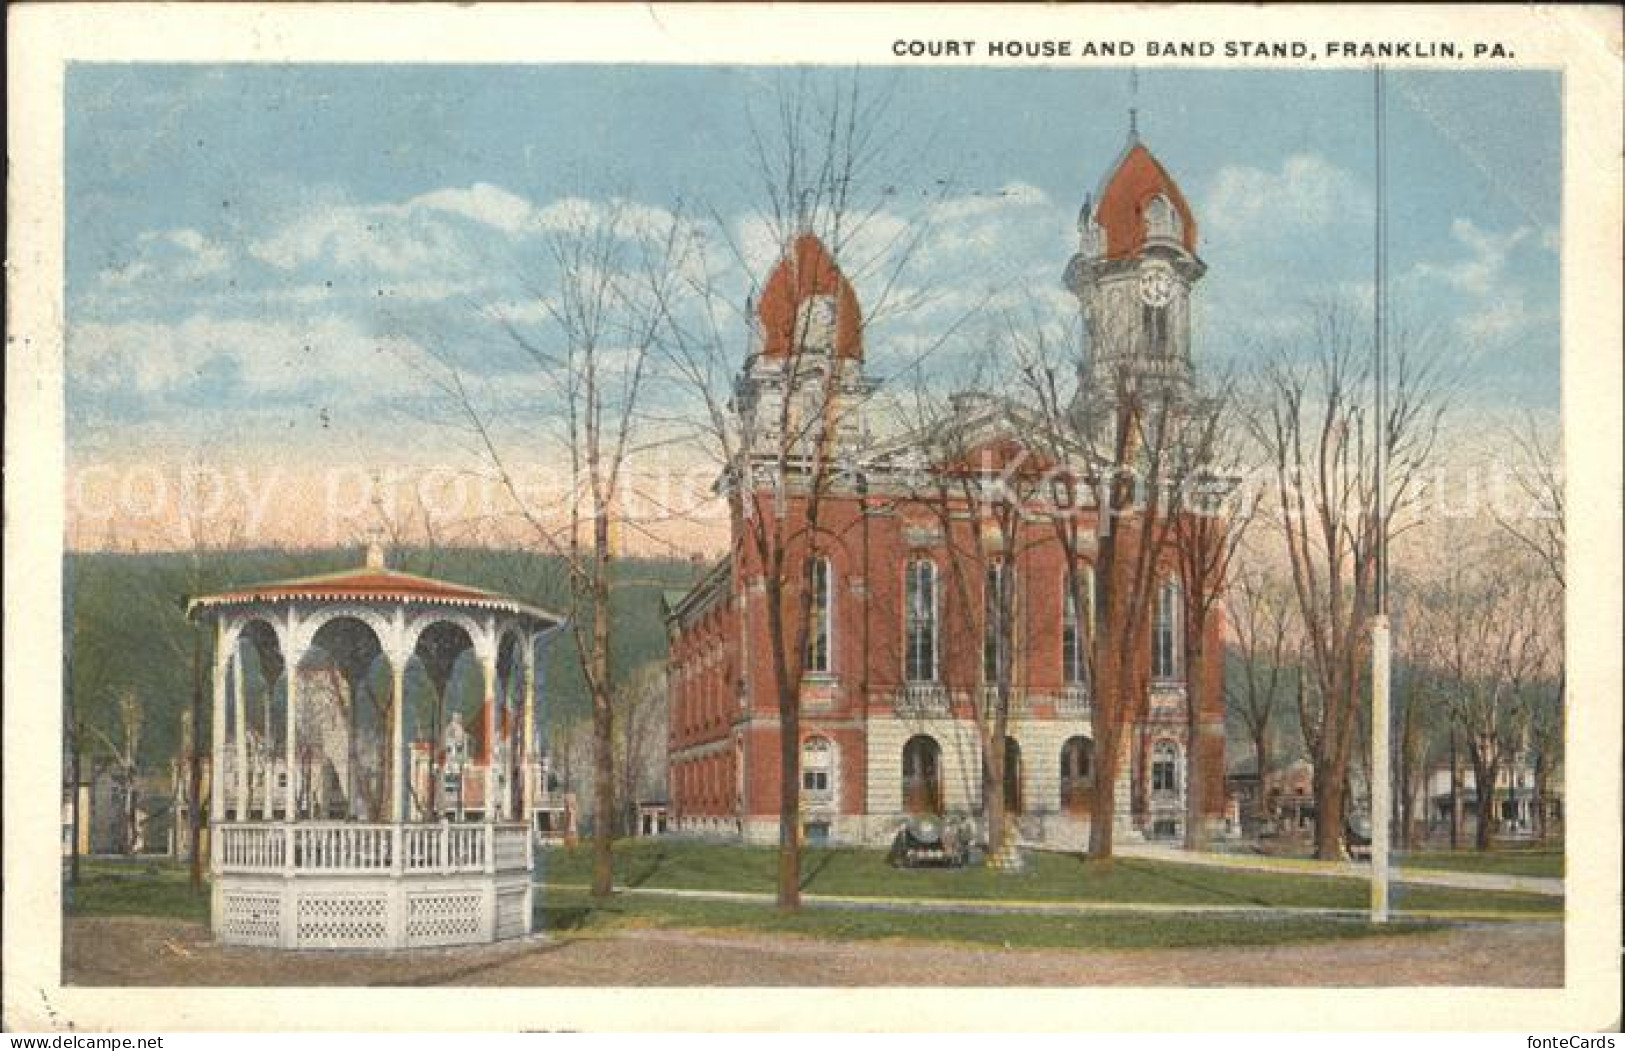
(250, 919)
(371, 912)
(444, 917)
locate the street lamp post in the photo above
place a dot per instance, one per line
(1381, 782)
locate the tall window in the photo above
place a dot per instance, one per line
(1165, 767)
(1165, 642)
(1076, 773)
(1013, 801)
(818, 770)
(818, 631)
(1075, 635)
(1155, 320)
(920, 621)
(994, 649)
(922, 775)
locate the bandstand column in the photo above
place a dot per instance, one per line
(295, 660)
(528, 742)
(217, 746)
(241, 707)
(397, 740)
(267, 758)
(488, 673)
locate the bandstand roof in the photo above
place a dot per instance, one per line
(372, 583)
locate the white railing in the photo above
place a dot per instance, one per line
(1072, 701)
(988, 698)
(342, 848)
(920, 699)
(252, 848)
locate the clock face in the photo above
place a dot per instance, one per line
(1156, 285)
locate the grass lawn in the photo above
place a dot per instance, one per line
(1504, 862)
(145, 887)
(691, 865)
(158, 887)
(564, 912)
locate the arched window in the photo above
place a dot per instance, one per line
(1165, 768)
(922, 775)
(1162, 219)
(920, 621)
(818, 770)
(995, 651)
(1077, 774)
(1165, 640)
(1075, 636)
(819, 630)
(1012, 777)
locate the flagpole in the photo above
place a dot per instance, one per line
(1381, 783)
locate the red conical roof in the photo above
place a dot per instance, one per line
(808, 270)
(1129, 191)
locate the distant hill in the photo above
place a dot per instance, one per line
(125, 626)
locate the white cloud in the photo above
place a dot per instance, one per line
(169, 256)
(1484, 267)
(247, 358)
(483, 203)
(1306, 193)
(1497, 320)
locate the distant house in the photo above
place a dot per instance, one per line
(1514, 803)
(116, 816)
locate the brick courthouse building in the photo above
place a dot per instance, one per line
(895, 657)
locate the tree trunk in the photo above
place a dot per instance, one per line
(603, 718)
(1541, 830)
(1261, 761)
(73, 854)
(993, 814)
(1195, 802)
(1103, 815)
(1329, 797)
(1455, 794)
(789, 696)
(194, 812)
(1484, 790)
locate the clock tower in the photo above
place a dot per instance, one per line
(1133, 274)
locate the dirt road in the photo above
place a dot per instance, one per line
(131, 951)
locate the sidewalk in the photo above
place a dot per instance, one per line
(1053, 908)
(1345, 869)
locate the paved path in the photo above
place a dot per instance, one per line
(1005, 906)
(1345, 869)
(140, 951)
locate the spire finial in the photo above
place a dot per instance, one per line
(1133, 103)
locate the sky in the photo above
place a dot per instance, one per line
(254, 251)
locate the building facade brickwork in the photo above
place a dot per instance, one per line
(898, 651)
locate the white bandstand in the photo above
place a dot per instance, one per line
(329, 833)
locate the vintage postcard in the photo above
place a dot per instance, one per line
(701, 517)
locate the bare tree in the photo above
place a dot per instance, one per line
(612, 268)
(640, 702)
(980, 482)
(1261, 617)
(1537, 523)
(1109, 425)
(1208, 521)
(819, 201)
(125, 750)
(1484, 628)
(1315, 429)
